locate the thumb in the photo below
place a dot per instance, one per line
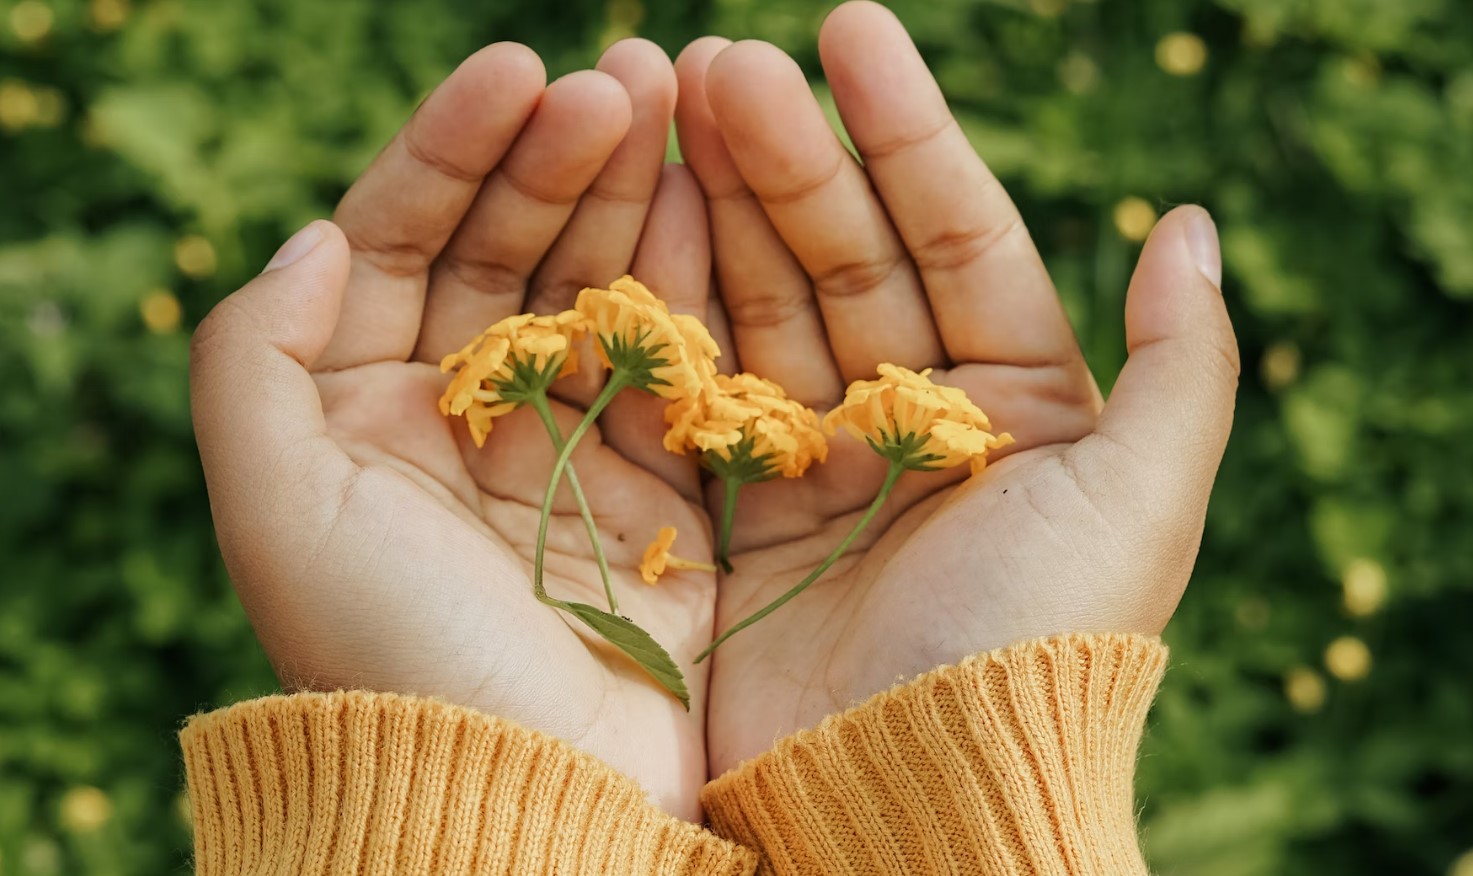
(1172, 407)
(257, 415)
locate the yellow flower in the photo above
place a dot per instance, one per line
(657, 558)
(903, 412)
(751, 417)
(488, 365)
(701, 350)
(635, 326)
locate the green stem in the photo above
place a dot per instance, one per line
(891, 476)
(544, 410)
(733, 486)
(617, 381)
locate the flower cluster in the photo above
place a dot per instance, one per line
(495, 367)
(743, 418)
(921, 424)
(744, 428)
(671, 355)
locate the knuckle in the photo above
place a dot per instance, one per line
(436, 162)
(532, 191)
(764, 311)
(858, 277)
(222, 322)
(1227, 349)
(556, 294)
(804, 187)
(909, 140)
(486, 276)
(1220, 358)
(395, 258)
(622, 194)
(955, 247)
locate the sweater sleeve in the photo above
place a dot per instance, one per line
(1016, 761)
(357, 783)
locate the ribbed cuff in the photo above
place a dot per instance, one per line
(1015, 761)
(357, 783)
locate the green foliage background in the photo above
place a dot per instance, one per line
(1332, 139)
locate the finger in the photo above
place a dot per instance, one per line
(1164, 428)
(400, 213)
(598, 244)
(990, 293)
(777, 330)
(821, 202)
(719, 325)
(675, 251)
(257, 414)
(674, 260)
(483, 273)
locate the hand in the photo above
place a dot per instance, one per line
(826, 268)
(372, 544)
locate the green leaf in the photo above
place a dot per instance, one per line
(630, 638)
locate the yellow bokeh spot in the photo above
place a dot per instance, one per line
(1134, 218)
(195, 256)
(107, 14)
(1048, 8)
(1078, 73)
(1280, 365)
(31, 20)
(1364, 583)
(160, 311)
(1304, 689)
(85, 810)
(1463, 866)
(1348, 659)
(1181, 54)
(19, 106)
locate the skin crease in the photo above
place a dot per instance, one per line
(374, 546)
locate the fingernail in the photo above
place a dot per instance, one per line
(300, 244)
(1202, 238)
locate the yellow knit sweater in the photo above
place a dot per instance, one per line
(1015, 761)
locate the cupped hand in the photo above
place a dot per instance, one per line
(827, 267)
(372, 544)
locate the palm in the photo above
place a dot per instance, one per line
(449, 569)
(827, 268)
(948, 568)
